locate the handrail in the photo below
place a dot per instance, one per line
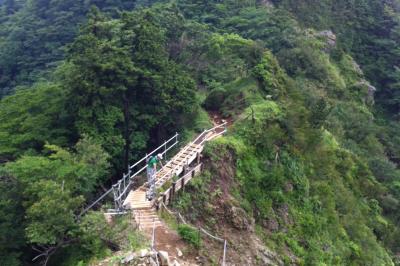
(155, 150)
(204, 140)
(123, 185)
(121, 188)
(193, 142)
(94, 203)
(177, 214)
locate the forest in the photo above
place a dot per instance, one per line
(313, 87)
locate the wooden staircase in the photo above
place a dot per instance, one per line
(136, 200)
(176, 166)
(147, 219)
(145, 214)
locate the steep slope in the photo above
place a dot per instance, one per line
(309, 169)
(312, 198)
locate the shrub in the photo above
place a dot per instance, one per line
(215, 99)
(190, 234)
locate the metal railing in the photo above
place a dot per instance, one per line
(121, 189)
(190, 145)
(224, 241)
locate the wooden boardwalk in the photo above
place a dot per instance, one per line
(143, 209)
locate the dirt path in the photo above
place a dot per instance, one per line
(218, 119)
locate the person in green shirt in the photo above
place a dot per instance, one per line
(151, 174)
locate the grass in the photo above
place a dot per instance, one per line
(190, 234)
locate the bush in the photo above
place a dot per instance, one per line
(190, 234)
(215, 99)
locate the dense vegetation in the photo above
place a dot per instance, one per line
(91, 84)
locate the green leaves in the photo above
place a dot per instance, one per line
(31, 117)
(41, 195)
(80, 171)
(51, 217)
(12, 238)
(122, 83)
(270, 75)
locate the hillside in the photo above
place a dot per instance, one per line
(308, 172)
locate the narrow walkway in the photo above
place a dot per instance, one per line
(143, 209)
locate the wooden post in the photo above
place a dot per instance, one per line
(184, 169)
(198, 158)
(183, 183)
(164, 198)
(173, 189)
(170, 195)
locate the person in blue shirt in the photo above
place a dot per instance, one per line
(151, 174)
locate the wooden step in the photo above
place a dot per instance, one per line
(150, 224)
(136, 206)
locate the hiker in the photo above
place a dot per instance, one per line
(151, 174)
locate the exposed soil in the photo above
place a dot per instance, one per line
(168, 240)
(224, 218)
(217, 118)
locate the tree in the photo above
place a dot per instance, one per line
(49, 193)
(33, 35)
(12, 238)
(31, 117)
(122, 84)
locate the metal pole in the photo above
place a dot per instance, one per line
(124, 182)
(224, 257)
(165, 150)
(153, 237)
(115, 196)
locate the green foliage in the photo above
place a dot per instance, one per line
(190, 234)
(307, 148)
(201, 121)
(51, 190)
(368, 28)
(214, 99)
(80, 172)
(11, 226)
(33, 36)
(308, 60)
(31, 117)
(122, 83)
(270, 75)
(51, 213)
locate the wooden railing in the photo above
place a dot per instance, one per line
(167, 196)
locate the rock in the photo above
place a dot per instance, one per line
(109, 218)
(128, 258)
(164, 259)
(283, 212)
(267, 3)
(238, 218)
(152, 254)
(152, 262)
(329, 36)
(266, 256)
(143, 253)
(288, 187)
(370, 90)
(176, 263)
(356, 67)
(179, 252)
(271, 224)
